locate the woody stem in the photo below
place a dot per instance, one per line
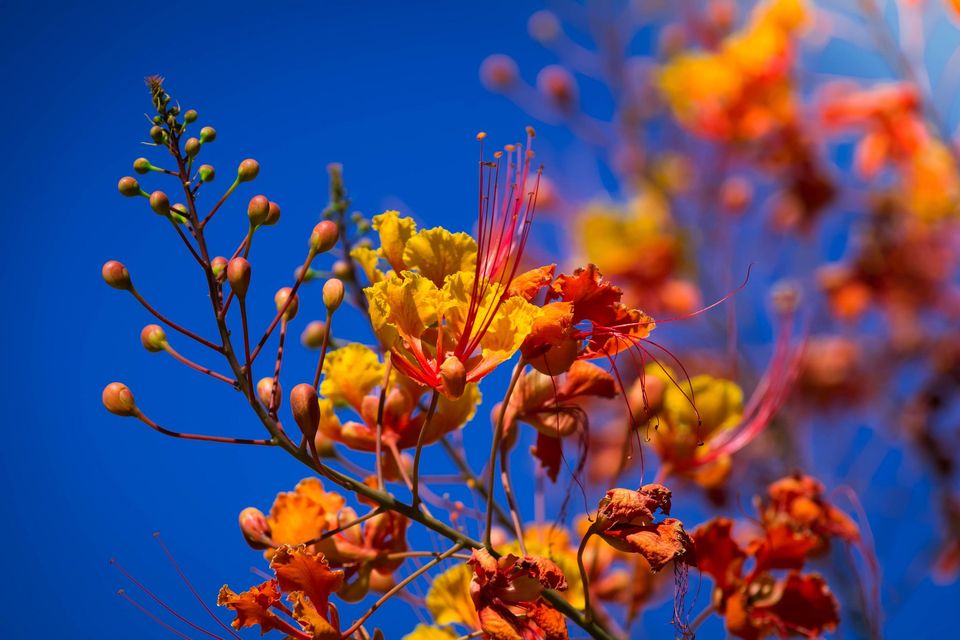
(416, 456)
(399, 587)
(497, 437)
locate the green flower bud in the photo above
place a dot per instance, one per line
(219, 267)
(280, 299)
(118, 399)
(174, 111)
(257, 210)
(324, 236)
(312, 336)
(207, 174)
(153, 338)
(116, 275)
(128, 186)
(160, 203)
(142, 166)
(157, 134)
(192, 147)
(208, 134)
(190, 115)
(333, 294)
(238, 274)
(248, 170)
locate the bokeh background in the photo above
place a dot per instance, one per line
(390, 90)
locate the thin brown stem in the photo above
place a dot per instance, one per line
(200, 368)
(275, 392)
(323, 350)
(416, 456)
(497, 437)
(159, 316)
(286, 305)
(399, 587)
(217, 206)
(584, 578)
(349, 525)
(192, 436)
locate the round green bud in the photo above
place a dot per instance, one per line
(160, 203)
(248, 170)
(257, 210)
(142, 166)
(312, 336)
(190, 115)
(116, 275)
(128, 186)
(238, 274)
(175, 111)
(118, 399)
(208, 134)
(281, 298)
(157, 119)
(219, 267)
(207, 173)
(153, 338)
(324, 236)
(273, 215)
(157, 134)
(333, 294)
(192, 147)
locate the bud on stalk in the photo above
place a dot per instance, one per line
(306, 409)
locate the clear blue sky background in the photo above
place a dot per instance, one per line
(391, 91)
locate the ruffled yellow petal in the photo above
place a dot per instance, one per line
(509, 328)
(424, 632)
(402, 305)
(453, 414)
(437, 253)
(350, 373)
(448, 599)
(394, 234)
(367, 259)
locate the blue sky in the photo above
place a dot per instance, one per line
(390, 90)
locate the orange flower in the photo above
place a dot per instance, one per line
(502, 589)
(307, 581)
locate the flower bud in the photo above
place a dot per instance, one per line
(558, 86)
(192, 147)
(142, 166)
(248, 170)
(453, 377)
(208, 134)
(333, 294)
(128, 186)
(153, 338)
(324, 446)
(736, 194)
(116, 275)
(206, 172)
(190, 116)
(312, 336)
(306, 409)
(238, 274)
(265, 391)
(157, 134)
(118, 399)
(160, 203)
(273, 214)
(341, 269)
(498, 72)
(258, 210)
(544, 26)
(324, 236)
(219, 267)
(281, 298)
(255, 528)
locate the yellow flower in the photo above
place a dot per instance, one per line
(424, 632)
(350, 373)
(448, 599)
